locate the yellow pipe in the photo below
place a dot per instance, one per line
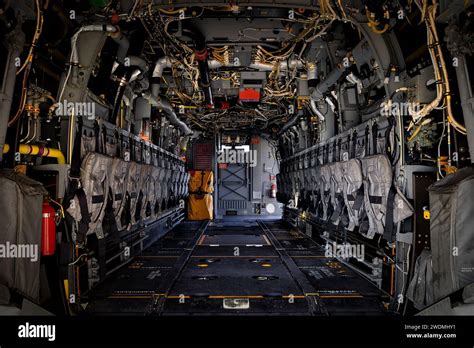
(418, 129)
(35, 150)
(171, 12)
(415, 133)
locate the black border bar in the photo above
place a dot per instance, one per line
(242, 330)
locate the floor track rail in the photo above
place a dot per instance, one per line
(247, 267)
(173, 275)
(315, 305)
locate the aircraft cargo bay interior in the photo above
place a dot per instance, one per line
(243, 158)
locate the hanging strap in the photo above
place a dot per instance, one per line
(85, 217)
(354, 145)
(389, 230)
(118, 144)
(388, 148)
(367, 142)
(104, 139)
(375, 129)
(75, 171)
(132, 148)
(97, 137)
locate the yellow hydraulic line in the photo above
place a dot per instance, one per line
(418, 129)
(171, 12)
(35, 150)
(415, 133)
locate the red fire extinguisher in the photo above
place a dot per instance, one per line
(274, 190)
(48, 230)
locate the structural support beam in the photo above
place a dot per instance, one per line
(14, 43)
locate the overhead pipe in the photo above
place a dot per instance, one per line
(205, 81)
(317, 95)
(127, 74)
(113, 31)
(35, 150)
(329, 126)
(201, 53)
(122, 77)
(316, 110)
(355, 80)
(123, 44)
(294, 136)
(330, 80)
(312, 72)
(64, 20)
(138, 62)
(289, 124)
(304, 84)
(164, 105)
(160, 102)
(183, 143)
(284, 65)
(157, 75)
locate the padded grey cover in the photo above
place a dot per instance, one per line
(21, 201)
(452, 232)
(420, 290)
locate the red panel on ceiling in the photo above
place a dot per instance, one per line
(249, 95)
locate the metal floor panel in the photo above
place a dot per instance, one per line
(227, 250)
(270, 267)
(236, 277)
(234, 239)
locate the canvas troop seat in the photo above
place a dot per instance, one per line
(187, 177)
(314, 187)
(173, 183)
(180, 175)
(146, 193)
(178, 184)
(127, 213)
(325, 190)
(87, 207)
(161, 187)
(171, 186)
(337, 198)
(303, 183)
(383, 204)
(378, 176)
(155, 192)
(352, 191)
(118, 186)
(166, 184)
